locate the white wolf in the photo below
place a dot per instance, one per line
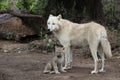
(69, 33)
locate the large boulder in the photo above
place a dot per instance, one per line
(13, 28)
(4, 17)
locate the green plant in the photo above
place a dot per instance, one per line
(4, 5)
(38, 7)
(10, 35)
(25, 4)
(50, 42)
(42, 33)
(35, 6)
(109, 8)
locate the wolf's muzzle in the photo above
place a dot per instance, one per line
(48, 32)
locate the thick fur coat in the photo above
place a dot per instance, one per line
(73, 34)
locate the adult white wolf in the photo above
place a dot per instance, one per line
(69, 33)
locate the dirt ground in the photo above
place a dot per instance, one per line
(18, 62)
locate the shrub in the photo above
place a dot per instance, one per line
(111, 15)
(35, 6)
(38, 7)
(4, 5)
(24, 4)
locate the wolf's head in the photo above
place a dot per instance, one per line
(59, 51)
(53, 22)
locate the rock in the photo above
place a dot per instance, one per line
(118, 57)
(19, 51)
(4, 17)
(5, 51)
(13, 28)
(44, 51)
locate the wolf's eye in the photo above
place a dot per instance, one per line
(48, 23)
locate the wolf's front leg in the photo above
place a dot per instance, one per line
(70, 60)
(55, 68)
(67, 57)
(66, 61)
(103, 60)
(61, 68)
(69, 66)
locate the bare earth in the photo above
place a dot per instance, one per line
(19, 63)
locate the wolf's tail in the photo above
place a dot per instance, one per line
(106, 48)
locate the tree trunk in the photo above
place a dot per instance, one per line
(77, 9)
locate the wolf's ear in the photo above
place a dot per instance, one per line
(50, 15)
(59, 16)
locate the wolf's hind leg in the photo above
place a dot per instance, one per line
(93, 48)
(100, 52)
(95, 63)
(47, 68)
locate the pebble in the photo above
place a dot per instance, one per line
(5, 51)
(118, 57)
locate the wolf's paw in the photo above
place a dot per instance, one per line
(45, 72)
(102, 70)
(69, 66)
(52, 72)
(63, 70)
(57, 72)
(94, 72)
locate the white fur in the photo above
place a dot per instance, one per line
(73, 34)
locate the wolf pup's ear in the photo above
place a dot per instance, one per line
(50, 15)
(59, 16)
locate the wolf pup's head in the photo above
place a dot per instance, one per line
(59, 51)
(53, 22)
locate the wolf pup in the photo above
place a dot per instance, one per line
(73, 34)
(56, 63)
